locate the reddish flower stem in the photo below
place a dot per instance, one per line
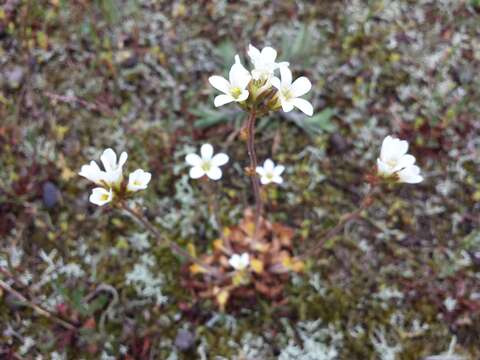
(250, 126)
(366, 202)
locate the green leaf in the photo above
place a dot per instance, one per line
(209, 117)
(226, 51)
(319, 123)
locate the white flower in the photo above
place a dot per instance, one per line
(112, 175)
(101, 196)
(270, 173)
(234, 89)
(264, 62)
(113, 169)
(92, 172)
(208, 164)
(395, 160)
(450, 304)
(239, 262)
(138, 180)
(289, 93)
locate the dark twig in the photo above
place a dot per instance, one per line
(365, 204)
(71, 100)
(39, 309)
(175, 248)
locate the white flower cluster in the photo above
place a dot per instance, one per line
(110, 179)
(238, 87)
(207, 164)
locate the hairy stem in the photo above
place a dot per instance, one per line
(253, 166)
(175, 248)
(39, 309)
(366, 202)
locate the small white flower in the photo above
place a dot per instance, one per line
(138, 180)
(113, 169)
(289, 93)
(450, 304)
(92, 172)
(395, 160)
(208, 164)
(270, 173)
(112, 175)
(239, 262)
(264, 62)
(101, 196)
(233, 89)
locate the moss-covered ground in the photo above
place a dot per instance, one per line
(76, 77)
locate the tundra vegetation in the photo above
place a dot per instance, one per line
(240, 180)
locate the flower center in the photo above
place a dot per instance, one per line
(104, 197)
(287, 94)
(392, 163)
(206, 166)
(235, 92)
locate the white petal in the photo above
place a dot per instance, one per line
(109, 160)
(383, 168)
(283, 64)
(239, 76)
(276, 82)
(196, 172)
(301, 86)
(243, 96)
(222, 100)
(206, 151)
(303, 105)
(219, 83)
(286, 75)
(220, 159)
(193, 160)
(269, 54)
(268, 165)
(393, 149)
(260, 170)
(113, 177)
(410, 175)
(123, 159)
(277, 179)
(92, 172)
(405, 161)
(100, 196)
(265, 180)
(287, 105)
(279, 169)
(253, 52)
(245, 259)
(214, 173)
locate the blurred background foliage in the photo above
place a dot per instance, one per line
(78, 76)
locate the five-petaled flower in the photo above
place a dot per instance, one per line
(208, 164)
(234, 89)
(289, 93)
(138, 180)
(101, 196)
(270, 173)
(264, 62)
(110, 179)
(394, 161)
(239, 262)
